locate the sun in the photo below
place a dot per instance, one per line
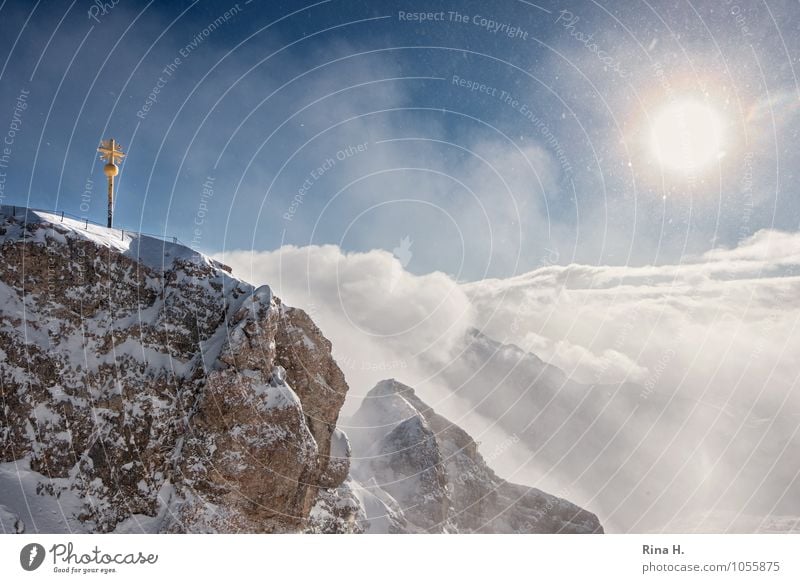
(686, 135)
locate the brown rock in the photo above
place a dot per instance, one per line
(137, 374)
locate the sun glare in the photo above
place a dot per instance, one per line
(686, 136)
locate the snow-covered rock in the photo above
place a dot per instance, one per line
(435, 480)
(145, 389)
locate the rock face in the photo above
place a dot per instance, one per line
(425, 474)
(145, 389)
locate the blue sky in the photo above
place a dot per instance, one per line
(491, 149)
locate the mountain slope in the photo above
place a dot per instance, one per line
(643, 459)
(431, 471)
(143, 388)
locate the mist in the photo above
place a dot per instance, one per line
(663, 398)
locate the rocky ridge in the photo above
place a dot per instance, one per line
(430, 476)
(144, 388)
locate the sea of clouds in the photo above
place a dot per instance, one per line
(703, 355)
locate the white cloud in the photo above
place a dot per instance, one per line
(383, 321)
(729, 315)
(737, 309)
(711, 344)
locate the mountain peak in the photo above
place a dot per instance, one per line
(145, 389)
(22, 224)
(432, 470)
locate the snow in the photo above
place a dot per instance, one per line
(340, 445)
(153, 358)
(141, 523)
(19, 495)
(276, 394)
(151, 251)
(381, 412)
(380, 508)
(45, 416)
(10, 522)
(211, 348)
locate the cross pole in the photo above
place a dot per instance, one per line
(110, 151)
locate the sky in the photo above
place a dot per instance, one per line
(473, 140)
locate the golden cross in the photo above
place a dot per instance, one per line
(110, 150)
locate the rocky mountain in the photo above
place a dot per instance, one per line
(645, 460)
(430, 476)
(145, 389)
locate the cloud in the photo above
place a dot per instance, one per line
(729, 315)
(383, 321)
(709, 343)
